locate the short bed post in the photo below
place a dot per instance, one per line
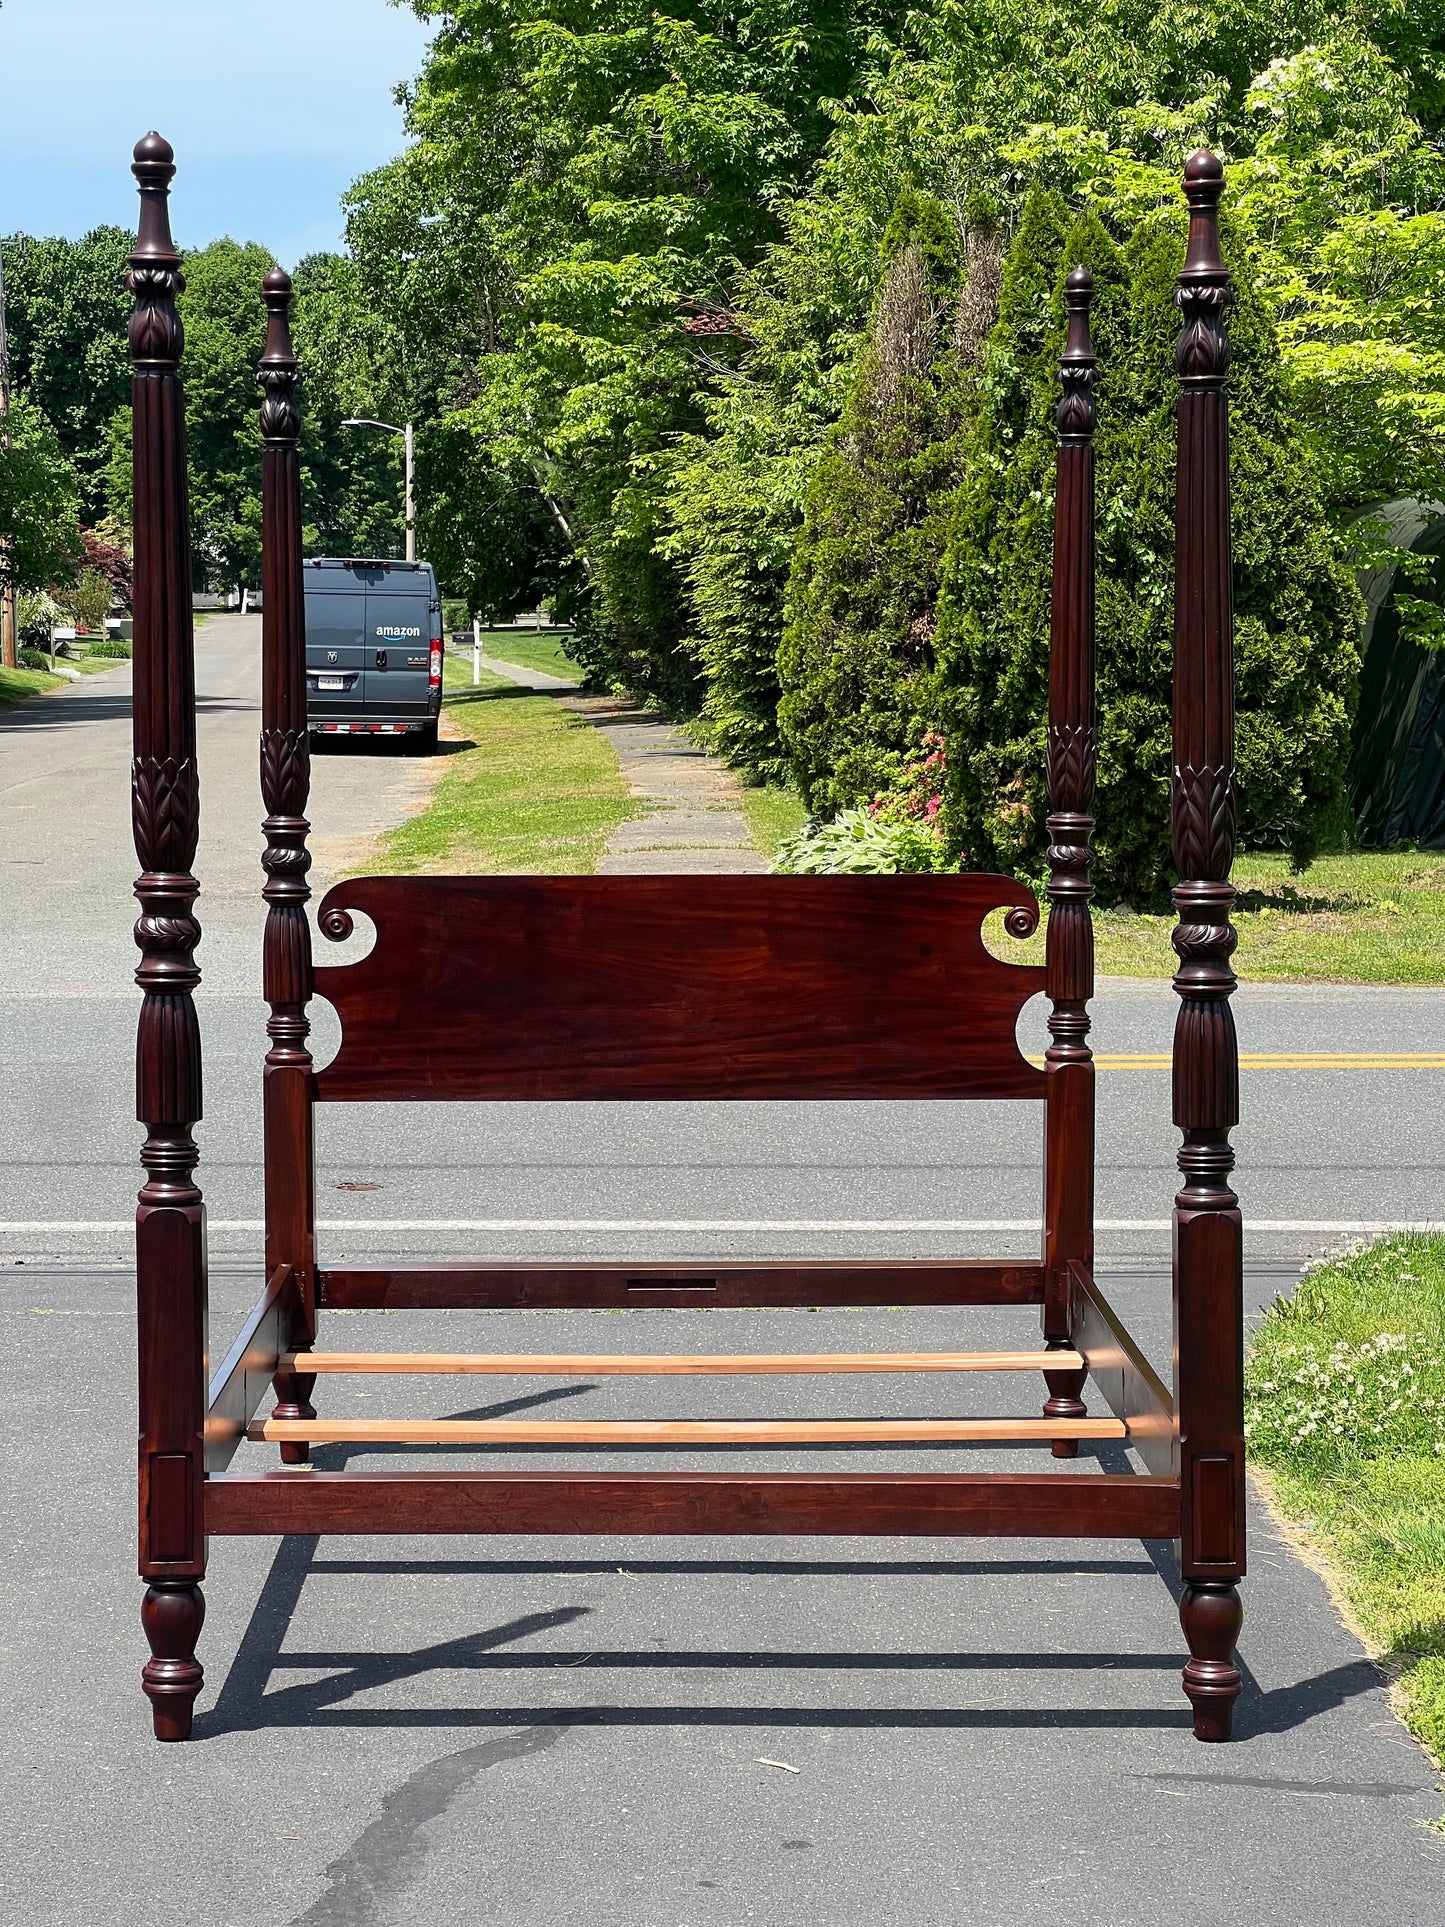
(290, 1156)
(1208, 1265)
(1069, 954)
(165, 810)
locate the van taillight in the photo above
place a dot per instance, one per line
(434, 675)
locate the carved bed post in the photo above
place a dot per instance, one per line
(1208, 1264)
(165, 811)
(290, 1154)
(1069, 956)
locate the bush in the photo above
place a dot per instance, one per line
(1297, 610)
(858, 843)
(111, 647)
(33, 659)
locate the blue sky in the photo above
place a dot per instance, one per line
(273, 107)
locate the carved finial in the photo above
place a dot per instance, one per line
(1202, 352)
(1075, 412)
(154, 276)
(280, 417)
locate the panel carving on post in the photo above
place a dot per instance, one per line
(679, 987)
(1208, 1292)
(1069, 964)
(165, 811)
(285, 790)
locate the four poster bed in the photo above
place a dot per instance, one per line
(657, 988)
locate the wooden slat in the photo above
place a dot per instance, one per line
(588, 1286)
(1055, 1504)
(664, 1432)
(667, 1365)
(1130, 1386)
(246, 1373)
(678, 987)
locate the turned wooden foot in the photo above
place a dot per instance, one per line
(293, 1394)
(1063, 1400)
(172, 1614)
(1211, 1617)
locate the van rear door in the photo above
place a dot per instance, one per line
(398, 648)
(335, 647)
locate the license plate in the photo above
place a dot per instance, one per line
(330, 682)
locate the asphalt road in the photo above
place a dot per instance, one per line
(636, 1733)
(1320, 1151)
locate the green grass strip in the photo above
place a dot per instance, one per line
(1345, 1409)
(1368, 917)
(773, 814)
(535, 790)
(530, 649)
(17, 684)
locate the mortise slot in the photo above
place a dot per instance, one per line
(672, 1284)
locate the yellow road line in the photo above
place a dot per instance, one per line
(1283, 1061)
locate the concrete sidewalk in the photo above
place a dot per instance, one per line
(661, 1733)
(692, 822)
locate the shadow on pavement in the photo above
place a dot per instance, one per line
(247, 1701)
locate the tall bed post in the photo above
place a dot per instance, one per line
(290, 1155)
(1208, 1262)
(165, 814)
(1069, 953)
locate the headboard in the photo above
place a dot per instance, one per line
(679, 987)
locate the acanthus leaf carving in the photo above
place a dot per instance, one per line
(166, 812)
(1203, 822)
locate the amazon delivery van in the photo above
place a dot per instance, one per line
(373, 649)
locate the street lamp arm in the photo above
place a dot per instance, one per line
(390, 428)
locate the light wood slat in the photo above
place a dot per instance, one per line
(646, 1365)
(421, 1431)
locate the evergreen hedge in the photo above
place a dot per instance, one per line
(1297, 610)
(856, 661)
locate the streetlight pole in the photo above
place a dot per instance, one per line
(409, 441)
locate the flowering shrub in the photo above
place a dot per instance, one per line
(899, 830)
(917, 797)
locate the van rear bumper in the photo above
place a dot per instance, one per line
(369, 726)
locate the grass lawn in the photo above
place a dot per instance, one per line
(1365, 918)
(535, 790)
(17, 684)
(529, 649)
(1346, 1414)
(773, 814)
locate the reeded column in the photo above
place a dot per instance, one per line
(1208, 1263)
(165, 799)
(290, 1162)
(1069, 954)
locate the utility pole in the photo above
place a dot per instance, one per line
(8, 657)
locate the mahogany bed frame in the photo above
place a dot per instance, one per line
(657, 988)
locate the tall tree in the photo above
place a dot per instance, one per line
(66, 305)
(39, 503)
